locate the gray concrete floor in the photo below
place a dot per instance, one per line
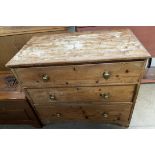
(144, 111)
(143, 115)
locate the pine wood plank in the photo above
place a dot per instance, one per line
(14, 30)
(103, 94)
(106, 113)
(80, 75)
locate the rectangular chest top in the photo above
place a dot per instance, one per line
(76, 48)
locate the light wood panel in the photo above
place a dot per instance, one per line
(116, 114)
(146, 34)
(77, 95)
(80, 75)
(13, 30)
(77, 47)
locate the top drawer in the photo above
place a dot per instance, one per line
(80, 75)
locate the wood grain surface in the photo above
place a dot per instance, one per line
(9, 89)
(146, 34)
(14, 107)
(82, 94)
(63, 75)
(80, 75)
(80, 47)
(111, 113)
(12, 39)
(17, 111)
(13, 30)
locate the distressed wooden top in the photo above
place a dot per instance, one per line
(73, 48)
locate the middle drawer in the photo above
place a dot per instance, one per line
(49, 96)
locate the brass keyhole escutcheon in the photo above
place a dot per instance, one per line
(106, 75)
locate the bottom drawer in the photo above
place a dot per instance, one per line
(100, 113)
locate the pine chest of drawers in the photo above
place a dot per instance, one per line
(88, 76)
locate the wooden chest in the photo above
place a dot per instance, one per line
(13, 38)
(14, 107)
(87, 76)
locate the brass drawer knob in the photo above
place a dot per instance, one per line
(58, 115)
(45, 77)
(52, 97)
(105, 95)
(105, 115)
(106, 75)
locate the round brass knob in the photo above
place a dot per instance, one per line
(58, 115)
(45, 77)
(52, 97)
(105, 115)
(106, 75)
(105, 95)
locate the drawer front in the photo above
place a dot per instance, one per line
(52, 96)
(107, 112)
(13, 115)
(48, 114)
(77, 75)
(104, 113)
